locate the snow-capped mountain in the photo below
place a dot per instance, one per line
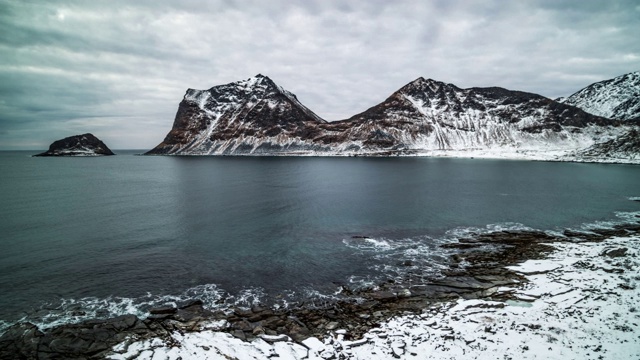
(617, 98)
(237, 118)
(425, 117)
(432, 115)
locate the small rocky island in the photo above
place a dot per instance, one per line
(78, 145)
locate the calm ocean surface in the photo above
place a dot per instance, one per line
(94, 237)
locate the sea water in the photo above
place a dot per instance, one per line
(101, 236)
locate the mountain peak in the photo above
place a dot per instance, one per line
(258, 82)
(262, 78)
(423, 85)
(418, 80)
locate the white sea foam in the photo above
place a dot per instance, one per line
(394, 258)
(250, 296)
(418, 256)
(358, 282)
(4, 325)
(69, 311)
(367, 243)
(471, 231)
(621, 217)
(315, 298)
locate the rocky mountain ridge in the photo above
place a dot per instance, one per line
(425, 117)
(617, 98)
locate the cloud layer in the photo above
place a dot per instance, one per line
(119, 69)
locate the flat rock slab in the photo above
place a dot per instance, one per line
(532, 267)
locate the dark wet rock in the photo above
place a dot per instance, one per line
(159, 317)
(242, 325)
(616, 231)
(242, 312)
(239, 334)
(299, 333)
(274, 322)
(190, 303)
(614, 253)
(461, 245)
(20, 341)
(90, 338)
(626, 286)
(163, 310)
(93, 339)
(465, 283)
(383, 296)
(256, 309)
(258, 330)
(78, 145)
(194, 312)
(332, 325)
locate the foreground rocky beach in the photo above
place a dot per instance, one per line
(506, 294)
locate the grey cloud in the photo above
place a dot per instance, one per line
(122, 67)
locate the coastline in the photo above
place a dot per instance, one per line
(503, 275)
(518, 155)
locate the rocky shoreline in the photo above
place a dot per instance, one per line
(485, 269)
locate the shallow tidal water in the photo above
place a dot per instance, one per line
(97, 237)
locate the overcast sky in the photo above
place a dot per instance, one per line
(118, 69)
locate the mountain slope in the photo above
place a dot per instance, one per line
(617, 98)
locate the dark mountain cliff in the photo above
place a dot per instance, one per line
(257, 107)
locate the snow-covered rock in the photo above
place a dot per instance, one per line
(617, 98)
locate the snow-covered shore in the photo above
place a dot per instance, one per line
(580, 302)
(489, 154)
